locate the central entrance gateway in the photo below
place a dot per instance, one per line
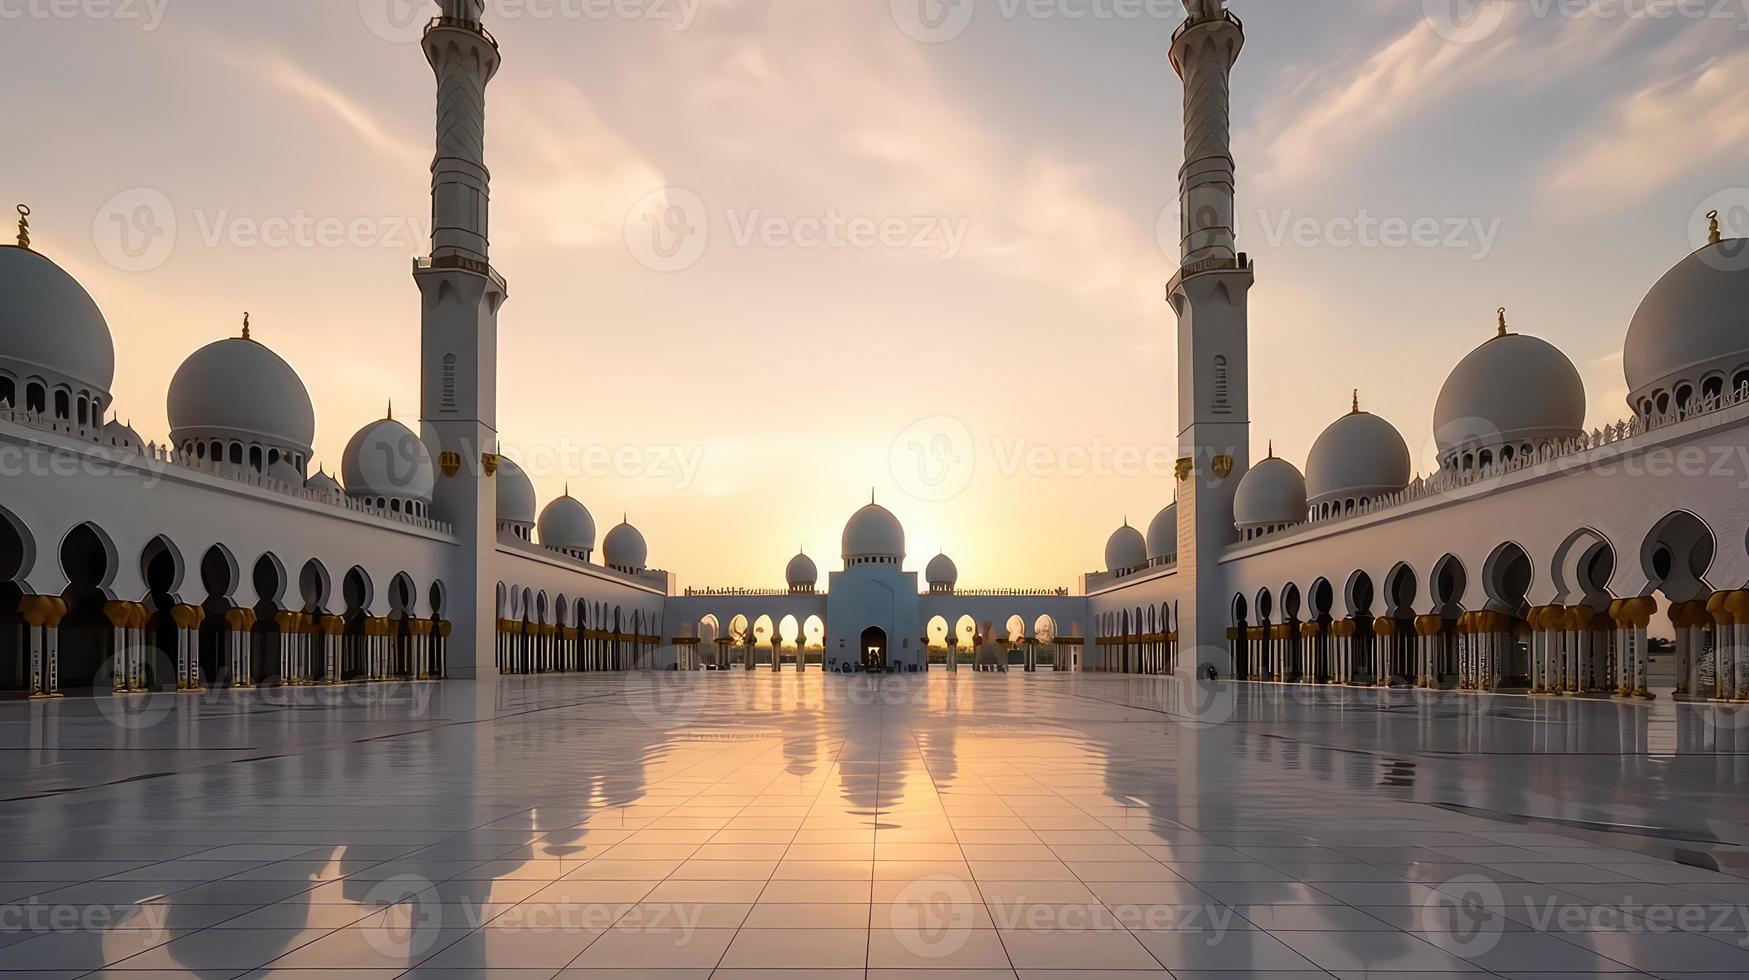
(874, 649)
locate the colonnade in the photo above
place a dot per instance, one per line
(543, 648)
(1136, 653)
(303, 648)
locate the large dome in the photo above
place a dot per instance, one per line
(1272, 493)
(567, 525)
(385, 459)
(1510, 391)
(1360, 456)
(802, 573)
(625, 549)
(516, 501)
(941, 572)
(49, 325)
(874, 534)
(1126, 550)
(1695, 320)
(238, 389)
(1163, 533)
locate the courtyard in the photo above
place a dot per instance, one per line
(971, 825)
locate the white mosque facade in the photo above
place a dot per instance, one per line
(1535, 560)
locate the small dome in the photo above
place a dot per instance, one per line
(323, 484)
(567, 525)
(238, 389)
(1359, 455)
(1509, 391)
(1126, 550)
(874, 533)
(1695, 320)
(625, 549)
(1272, 493)
(801, 572)
(385, 459)
(118, 435)
(516, 501)
(1163, 533)
(282, 471)
(942, 572)
(50, 326)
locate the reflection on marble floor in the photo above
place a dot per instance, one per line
(966, 826)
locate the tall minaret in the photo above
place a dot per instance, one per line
(1209, 294)
(459, 329)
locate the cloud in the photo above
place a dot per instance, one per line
(1697, 118)
(281, 72)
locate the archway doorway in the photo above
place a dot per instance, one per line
(874, 649)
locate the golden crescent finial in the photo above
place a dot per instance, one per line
(1713, 237)
(1357, 401)
(245, 325)
(24, 226)
(1502, 321)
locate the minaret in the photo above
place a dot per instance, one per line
(459, 329)
(1210, 295)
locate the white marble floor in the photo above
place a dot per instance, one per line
(798, 826)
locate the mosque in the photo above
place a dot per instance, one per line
(1536, 559)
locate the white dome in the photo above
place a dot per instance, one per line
(1509, 391)
(567, 525)
(801, 572)
(238, 389)
(941, 571)
(625, 548)
(1163, 533)
(1271, 493)
(385, 459)
(516, 501)
(50, 326)
(323, 483)
(1696, 319)
(1359, 455)
(873, 532)
(1126, 550)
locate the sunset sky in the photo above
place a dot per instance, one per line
(987, 289)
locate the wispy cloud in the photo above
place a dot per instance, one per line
(1696, 118)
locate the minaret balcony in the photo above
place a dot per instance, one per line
(461, 25)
